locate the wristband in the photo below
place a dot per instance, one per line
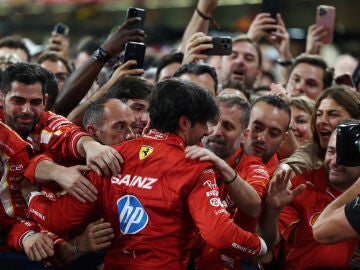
(232, 180)
(76, 250)
(26, 236)
(101, 55)
(207, 18)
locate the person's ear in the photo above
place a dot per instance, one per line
(245, 135)
(184, 123)
(46, 97)
(91, 129)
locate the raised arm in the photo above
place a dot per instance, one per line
(198, 22)
(81, 79)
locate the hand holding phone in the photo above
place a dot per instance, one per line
(325, 16)
(136, 12)
(135, 51)
(272, 7)
(222, 46)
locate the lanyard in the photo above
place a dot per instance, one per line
(237, 161)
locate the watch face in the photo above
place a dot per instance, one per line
(100, 55)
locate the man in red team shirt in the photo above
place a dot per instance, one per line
(14, 220)
(291, 225)
(244, 198)
(24, 92)
(158, 198)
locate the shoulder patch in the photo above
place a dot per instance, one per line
(145, 151)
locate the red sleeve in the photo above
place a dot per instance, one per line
(258, 177)
(214, 223)
(17, 233)
(29, 172)
(60, 135)
(63, 214)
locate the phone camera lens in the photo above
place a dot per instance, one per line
(322, 12)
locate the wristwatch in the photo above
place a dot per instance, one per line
(101, 55)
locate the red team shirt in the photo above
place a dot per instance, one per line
(252, 170)
(301, 251)
(153, 206)
(14, 156)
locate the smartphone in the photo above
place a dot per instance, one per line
(270, 6)
(222, 46)
(135, 51)
(345, 79)
(61, 29)
(356, 76)
(325, 16)
(136, 12)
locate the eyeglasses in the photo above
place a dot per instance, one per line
(61, 76)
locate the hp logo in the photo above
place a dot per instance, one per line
(132, 215)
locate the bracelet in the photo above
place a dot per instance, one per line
(76, 250)
(232, 180)
(207, 18)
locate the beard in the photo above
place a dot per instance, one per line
(23, 129)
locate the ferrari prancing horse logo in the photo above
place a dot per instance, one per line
(145, 151)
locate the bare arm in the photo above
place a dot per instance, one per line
(197, 23)
(77, 114)
(242, 193)
(332, 226)
(77, 85)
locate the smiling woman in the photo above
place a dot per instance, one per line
(334, 105)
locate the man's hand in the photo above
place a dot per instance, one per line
(203, 154)
(102, 159)
(194, 46)
(38, 247)
(279, 90)
(75, 183)
(280, 39)
(97, 236)
(279, 193)
(61, 44)
(125, 70)
(314, 35)
(115, 43)
(260, 26)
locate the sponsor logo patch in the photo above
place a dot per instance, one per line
(145, 151)
(132, 215)
(314, 218)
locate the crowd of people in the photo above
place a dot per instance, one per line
(208, 162)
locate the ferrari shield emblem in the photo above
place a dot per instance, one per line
(145, 151)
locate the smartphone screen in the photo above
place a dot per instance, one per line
(325, 16)
(136, 12)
